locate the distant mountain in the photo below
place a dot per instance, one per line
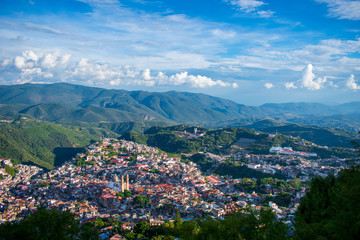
(332, 137)
(67, 103)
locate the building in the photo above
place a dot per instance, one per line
(117, 185)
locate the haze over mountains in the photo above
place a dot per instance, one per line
(67, 103)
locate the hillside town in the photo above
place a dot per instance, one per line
(133, 182)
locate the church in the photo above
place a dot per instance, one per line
(117, 185)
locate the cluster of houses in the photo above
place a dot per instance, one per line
(117, 172)
(291, 166)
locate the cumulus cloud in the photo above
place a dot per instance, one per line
(52, 67)
(308, 79)
(269, 85)
(195, 81)
(235, 85)
(49, 61)
(27, 60)
(343, 9)
(351, 83)
(290, 85)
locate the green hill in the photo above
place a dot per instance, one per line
(48, 144)
(332, 137)
(43, 144)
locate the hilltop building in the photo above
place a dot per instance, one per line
(290, 151)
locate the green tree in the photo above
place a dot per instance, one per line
(330, 209)
(141, 200)
(99, 223)
(178, 220)
(44, 224)
(240, 225)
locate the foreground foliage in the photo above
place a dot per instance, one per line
(240, 225)
(330, 210)
(47, 224)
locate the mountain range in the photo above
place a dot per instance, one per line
(46, 124)
(68, 103)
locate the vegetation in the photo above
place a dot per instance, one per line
(240, 225)
(44, 144)
(237, 171)
(220, 141)
(325, 136)
(10, 170)
(330, 209)
(141, 200)
(125, 194)
(203, 162)
(46, 224)
(170, 139)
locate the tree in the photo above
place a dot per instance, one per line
(127, 194)
(330, 209)
(141, 229)
(239, 225)
(178, 220)
(141, 200)
(44, 224)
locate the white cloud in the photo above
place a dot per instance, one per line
(290, 85)
(269, 85)
(115, 82)
(56, 67)
(28, 59)
(5, 63)
(247, 5)
(223, 34)
(308, 79)
(146, 74)
(351, 83)
(30, 55)
(343, 9)
(332, 56)
(49, 61)
(195, 81)
(265, 14)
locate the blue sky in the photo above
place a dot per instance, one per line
(249, 51)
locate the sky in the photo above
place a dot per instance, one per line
(248, 51)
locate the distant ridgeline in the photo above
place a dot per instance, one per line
(67, 103)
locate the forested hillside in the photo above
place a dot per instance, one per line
(67, 103)
(43, 144)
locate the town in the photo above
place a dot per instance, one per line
(133, 182)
